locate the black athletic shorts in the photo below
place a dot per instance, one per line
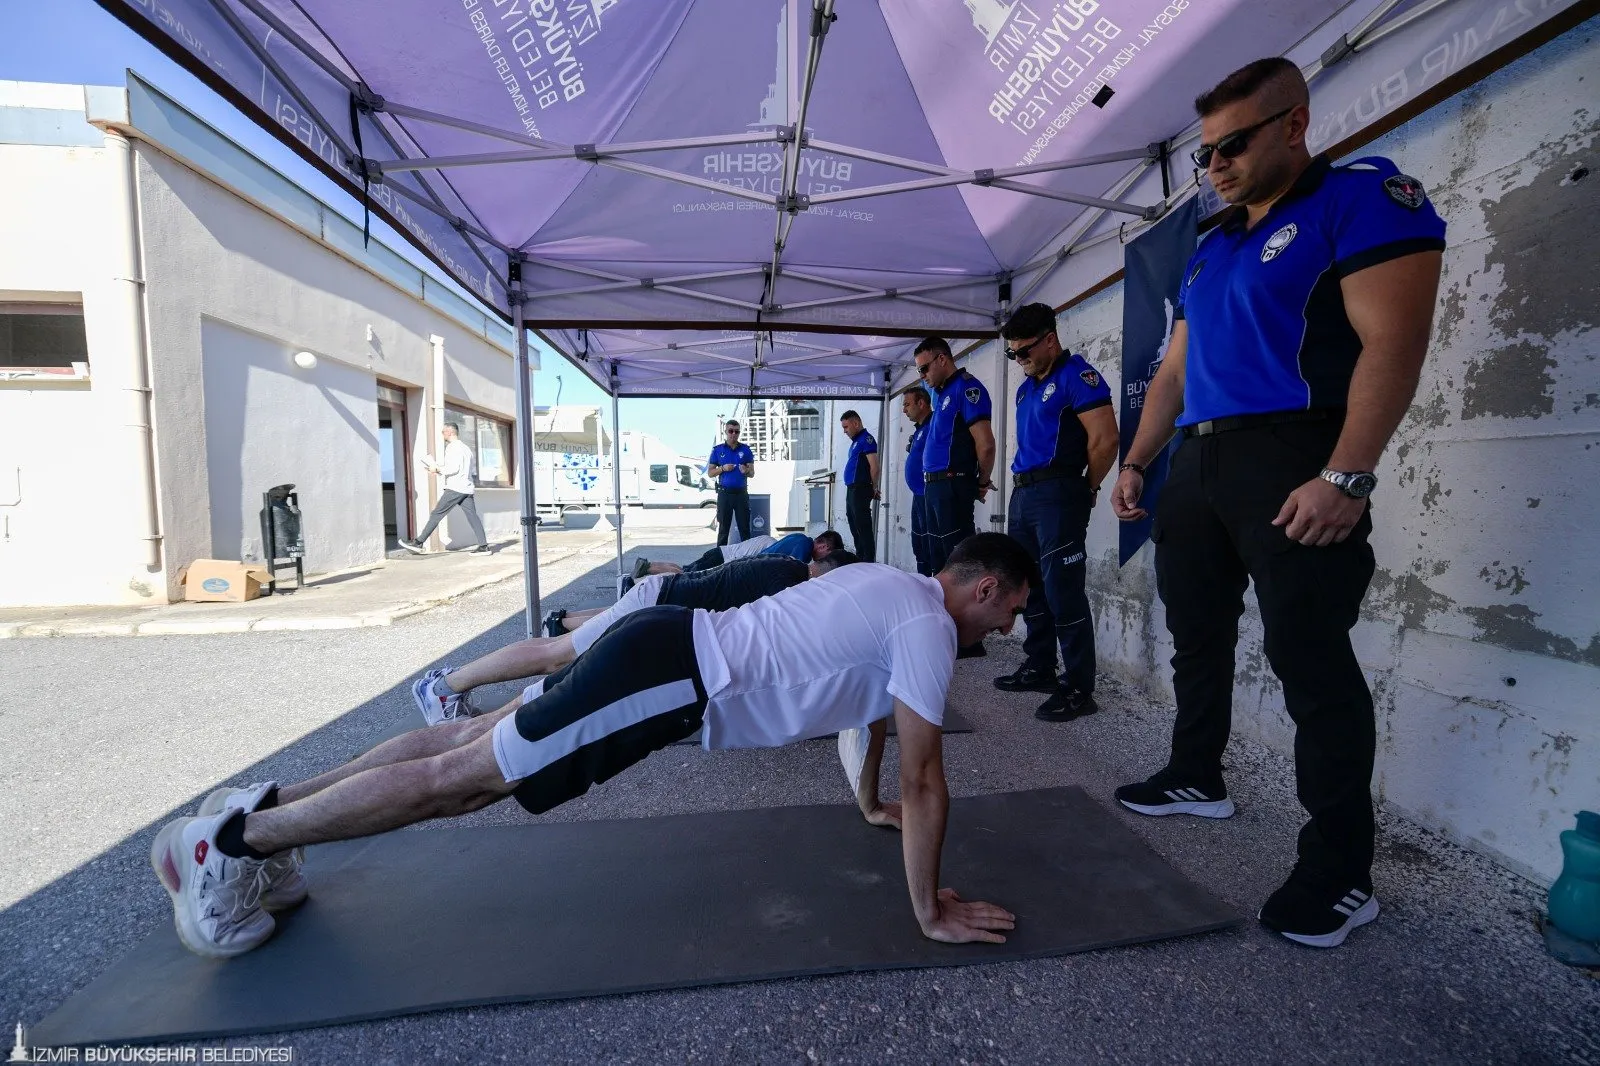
(635, 691)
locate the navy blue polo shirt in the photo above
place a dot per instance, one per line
(960, 405)
(722, 455)
(919, 437)
(1267, 325)
(1049, 434)
(861, 446)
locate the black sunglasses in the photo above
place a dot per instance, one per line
(1018, 353)
(1234, 144)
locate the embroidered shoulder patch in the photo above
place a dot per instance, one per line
(1405, 191)
(1090, 378)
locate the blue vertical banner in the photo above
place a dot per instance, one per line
(1153, 266)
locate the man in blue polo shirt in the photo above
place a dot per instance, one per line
(731, 464)
(1303, 322)
(1066, 444)
(860, 485)
(918, 408)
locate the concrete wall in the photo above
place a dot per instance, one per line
(238, 278)
(1480, 633)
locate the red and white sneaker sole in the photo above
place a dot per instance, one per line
(168, 865)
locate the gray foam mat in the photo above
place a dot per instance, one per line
(421, 920)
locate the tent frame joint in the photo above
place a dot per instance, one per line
(1339, 50)
(586, 153)
(794, 203)
(368, 101)
(983, 177)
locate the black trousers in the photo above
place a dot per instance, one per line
(919, 535)
(712, 557)
(469, 507)
(949, 505)
(858, 512)
(732, 504)
(1213, 533)
(1051, 519)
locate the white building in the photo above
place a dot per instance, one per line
(157, 286)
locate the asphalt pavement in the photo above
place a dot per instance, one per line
(105, 738)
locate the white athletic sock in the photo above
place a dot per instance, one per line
(444, 683)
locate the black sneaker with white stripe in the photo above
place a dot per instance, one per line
(1317, 912)
(1165, 794)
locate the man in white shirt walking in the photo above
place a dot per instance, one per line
(878, 642)
(459, 489)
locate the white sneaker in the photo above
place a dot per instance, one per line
(216, 900)
(283, 885)
(433, 707)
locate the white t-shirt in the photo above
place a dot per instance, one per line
(753, 546)
(457, 467)
(826, 655)
(646, 593)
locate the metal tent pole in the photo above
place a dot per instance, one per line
(882, 539)
(525, 473)
(616, 464)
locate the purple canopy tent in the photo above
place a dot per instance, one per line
(757, 197)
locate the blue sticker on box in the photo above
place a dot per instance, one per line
(215, 584)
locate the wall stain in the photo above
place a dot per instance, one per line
(1514, 626)
(1512, 381)
(1539, 233)
(1504, 578)
(1430, 497)
(1533, 501)
(1417, 601)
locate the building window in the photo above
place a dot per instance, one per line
(658, 473)
(490, 441)
(805, 434)
(42, 337)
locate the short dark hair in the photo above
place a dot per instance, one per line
(932, 344)
(731, 422)
(1029, 320)
(850, 414)
(836, 558)
(919, 391)
(832, 539)
(992, 554)
(1244, 83)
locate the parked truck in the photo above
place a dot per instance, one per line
(653, 475)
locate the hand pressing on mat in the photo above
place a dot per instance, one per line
(886, 813)
(961, 922)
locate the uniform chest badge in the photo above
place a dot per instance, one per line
(973, 394)
(1090, 378)
(1405, 191)
(946, 403)
(1049, 391)
(1278, 242)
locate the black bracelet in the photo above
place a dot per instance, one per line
(1135, 467)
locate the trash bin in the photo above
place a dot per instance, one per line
(283, 542)
(760, 518)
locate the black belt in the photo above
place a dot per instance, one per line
(1224, 425)
(943, 475)
(1031, 477)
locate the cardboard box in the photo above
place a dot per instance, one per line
(222, 580)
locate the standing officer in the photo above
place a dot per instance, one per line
(860, 485)
(957, 456)
(1302, 324)
(1066, 444)
(918, 408)
(731, 464)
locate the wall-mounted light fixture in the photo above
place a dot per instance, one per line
(304, 360)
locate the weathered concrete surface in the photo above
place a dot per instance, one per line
(1480, 633)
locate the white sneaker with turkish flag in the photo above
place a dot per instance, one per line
(216, 900)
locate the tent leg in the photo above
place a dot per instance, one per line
(882, 505)
(525, 473)
(616, 469)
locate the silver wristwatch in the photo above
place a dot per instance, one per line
(1357, 486)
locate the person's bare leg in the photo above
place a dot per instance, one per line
(526, 658)
(451, 783)
(417, 744)
(665, 568)
(574, 619)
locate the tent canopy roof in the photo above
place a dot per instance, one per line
(632, 171)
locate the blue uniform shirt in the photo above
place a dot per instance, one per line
(1049, 435)
(722, 455)
(1267, 325)
(861, 446)
(794, 545)
(919, 437)
(960, 405)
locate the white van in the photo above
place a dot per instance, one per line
(653, 475)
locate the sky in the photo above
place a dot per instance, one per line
(78, 42)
